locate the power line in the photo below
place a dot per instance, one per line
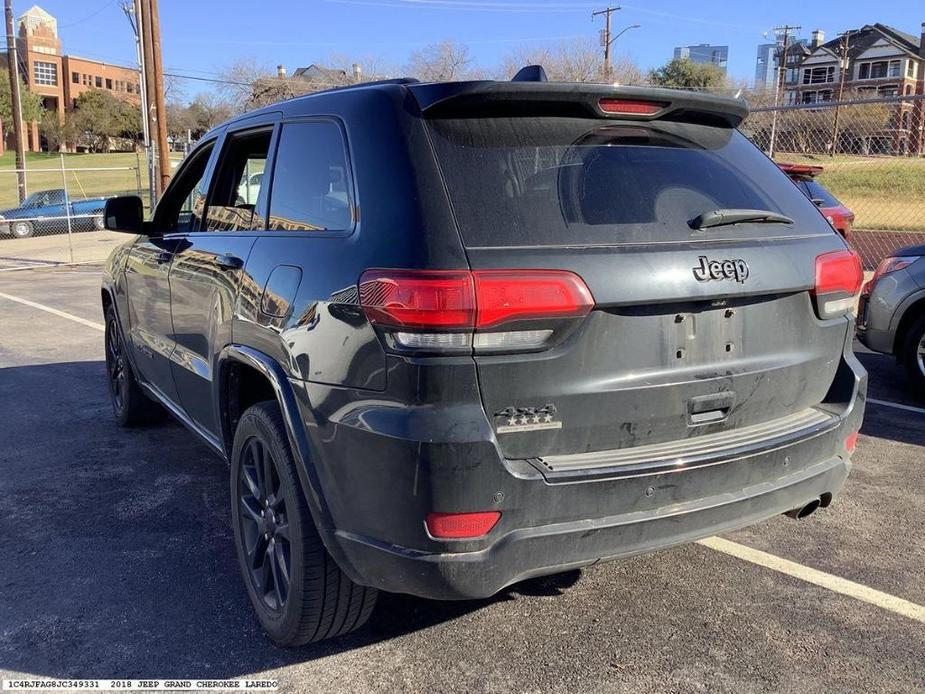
(89, 16)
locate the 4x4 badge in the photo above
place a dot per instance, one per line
(527, 419)
(721, 270)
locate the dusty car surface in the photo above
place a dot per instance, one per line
(474, 332)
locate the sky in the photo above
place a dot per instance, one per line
(202, 36)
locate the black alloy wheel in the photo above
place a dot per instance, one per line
(264, 525)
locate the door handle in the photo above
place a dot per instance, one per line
(163, 257)
(229, 262)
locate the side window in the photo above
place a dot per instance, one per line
(181, 209)
(233, 205)
(311, 189)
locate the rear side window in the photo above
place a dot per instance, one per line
(310, 190)
(233, 205)
(815, 191)
(563, 181)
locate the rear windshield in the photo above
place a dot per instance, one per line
(815, 191)
(565, 181)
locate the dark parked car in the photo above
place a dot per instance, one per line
(475, 332)
(891, 315)
(46, 212)
(804, 175)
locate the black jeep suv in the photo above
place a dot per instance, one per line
(467, 333)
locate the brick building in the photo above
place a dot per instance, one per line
(60, 79)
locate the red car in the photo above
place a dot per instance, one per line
(804, 176)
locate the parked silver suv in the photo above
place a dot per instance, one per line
(891, 318)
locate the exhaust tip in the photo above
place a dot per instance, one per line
(803, 512)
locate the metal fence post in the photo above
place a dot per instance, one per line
(67, 209)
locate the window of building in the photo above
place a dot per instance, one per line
(888, 90)
(878, 69)
(75, 77)
(45, 73)
(233, 205)
(108, 84)
(816, 97)
(819, 75)
(910, 69)
(99, 82)
(311, 181)
(129, 87)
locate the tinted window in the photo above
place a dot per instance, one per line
(311, 180)
(815, 191)
(182, 207)
(233, 205)
(556, 181)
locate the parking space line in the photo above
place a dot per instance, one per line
(53, 311)
(822, 579)
(908, 408)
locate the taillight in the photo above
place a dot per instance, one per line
(462, 309)
(505, 295)
(851, 442)
(457, 526)
(838, 279)
(631, 107)
(893, 264)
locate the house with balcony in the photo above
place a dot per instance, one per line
(874, 62)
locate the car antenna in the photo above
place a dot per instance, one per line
(530, 73)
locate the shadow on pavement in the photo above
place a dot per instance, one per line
(116, 555)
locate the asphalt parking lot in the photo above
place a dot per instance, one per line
(116, 560)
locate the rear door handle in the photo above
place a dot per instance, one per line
(229, 262)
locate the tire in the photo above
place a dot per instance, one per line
(21, 230)
(914, 355)
(130, 406)
(276, 538)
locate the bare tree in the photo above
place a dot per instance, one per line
(578, 60)
(441, 62)
(240, 78)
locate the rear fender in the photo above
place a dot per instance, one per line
(299, 443)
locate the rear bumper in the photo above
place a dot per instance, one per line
(382, 486)
(546, 549)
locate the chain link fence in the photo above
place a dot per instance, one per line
(867, 153)
(61, 218)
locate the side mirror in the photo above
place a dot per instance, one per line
(124, 213)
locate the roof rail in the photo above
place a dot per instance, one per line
(530, 73)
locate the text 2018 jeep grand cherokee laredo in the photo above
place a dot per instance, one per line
(474, 332)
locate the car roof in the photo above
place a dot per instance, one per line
(434, 97)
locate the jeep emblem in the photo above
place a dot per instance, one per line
(721, 270)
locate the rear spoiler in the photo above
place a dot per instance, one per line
(577, 100)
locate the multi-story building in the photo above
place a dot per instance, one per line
(768, 61)
(879, 61)
(704, 53)
(874, 62)
(60, 79)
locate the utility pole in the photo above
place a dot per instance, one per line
(606, 40)
(154, 88)
(163, 153)
(842, 72)
(781, 78)
(132, 12)
(12, 60)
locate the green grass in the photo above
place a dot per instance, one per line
(883, 192)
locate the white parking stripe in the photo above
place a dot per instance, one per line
(908, 408)
(53, 311)
(836, 584)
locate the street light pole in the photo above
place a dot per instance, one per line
(607, 40)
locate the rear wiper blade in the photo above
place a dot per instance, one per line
(718, 218)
